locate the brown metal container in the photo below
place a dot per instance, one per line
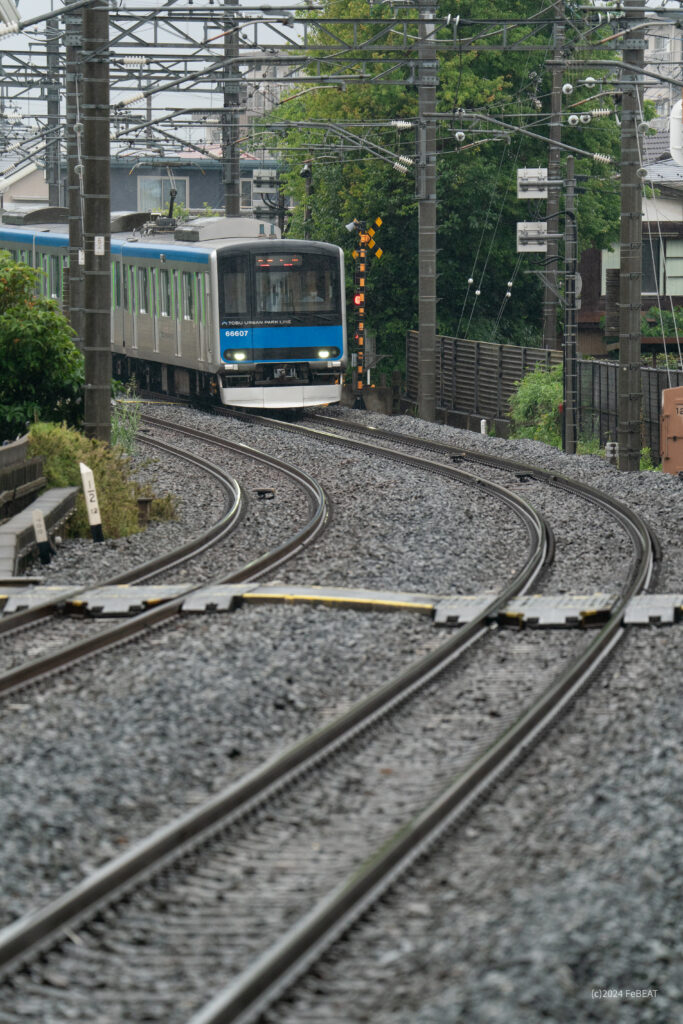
(671, 430)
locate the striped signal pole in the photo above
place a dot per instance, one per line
(365, 241)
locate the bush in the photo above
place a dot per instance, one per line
(535, 407)
(63, 449)
(41, 370)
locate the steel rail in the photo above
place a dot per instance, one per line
(255, 989)
(154, 566)
(634, 525)
(257, 567)
(35, 932)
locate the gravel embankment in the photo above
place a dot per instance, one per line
(517, 915)
(155, 727)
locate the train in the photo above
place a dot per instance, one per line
(215, 306)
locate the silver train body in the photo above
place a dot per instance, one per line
(220, 305)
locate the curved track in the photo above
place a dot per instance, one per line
(289, 955)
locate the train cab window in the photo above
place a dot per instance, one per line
(233, 295)
(143, 290)
(188, 297)
(164, 293)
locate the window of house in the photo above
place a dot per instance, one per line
(650, 265)
(674, 266)
(155, 193)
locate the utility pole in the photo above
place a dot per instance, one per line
(74, 201)
(52, 138)
(569, 360)
(631, 260)
(230, 123)
(550, 294)
(426, 196)
(96, 221)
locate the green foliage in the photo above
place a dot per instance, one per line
(41, 370)
(63, 449)
(535, 407)
(476, 184)
(647, 462)
(126, 415)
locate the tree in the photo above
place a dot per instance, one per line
(41, 370)
(476, 191)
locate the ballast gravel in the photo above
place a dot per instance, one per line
(565, 886)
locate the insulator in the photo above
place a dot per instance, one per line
(478, 291)
(508, 295)
(600, 112)
(401, 168)
(573, 119)
(602, 158)
(585, 118)
(401, 124)
(406, 160)
(135, 98)
(460, 136)
(509, 284)
(10, 29)
(470, 280)
(567, 88)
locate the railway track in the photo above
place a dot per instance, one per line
(254, 568)
(270, 968)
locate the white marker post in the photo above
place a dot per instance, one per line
(91, 503)
(42, 539)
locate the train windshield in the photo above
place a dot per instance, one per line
(276, 284)
(295, 283)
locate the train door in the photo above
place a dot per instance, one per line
(177, 313)
(202, 285)
(154, 302)
(117, 325)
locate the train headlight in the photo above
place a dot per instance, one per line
(239, 357)
(324, 353)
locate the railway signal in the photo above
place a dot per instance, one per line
(366, 241)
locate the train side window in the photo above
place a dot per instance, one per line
(116, 284)
(126, 288)
(188, 297)
(143, 290)
(199, 298)
(132, 283)
(55, 277)
(165, 293)
(45, 278)
(65, 274)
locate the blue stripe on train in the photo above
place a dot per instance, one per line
(245, 338)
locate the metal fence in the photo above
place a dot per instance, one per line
(597, 401)
(476, 377)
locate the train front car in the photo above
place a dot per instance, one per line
(282, 323)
